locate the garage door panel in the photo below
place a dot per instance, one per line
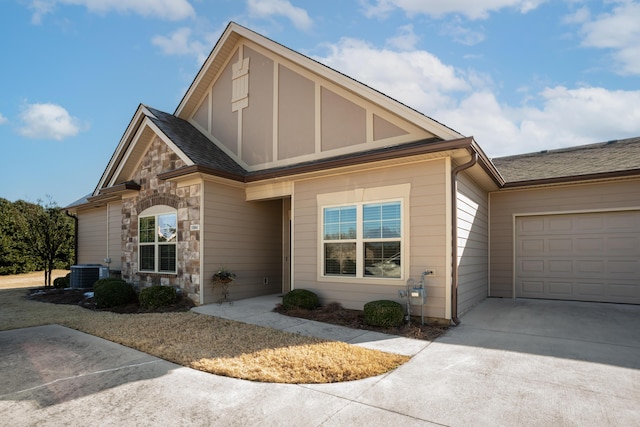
(533, 287)
(591, 267)
(589, 245)
(620, 245)
(561, 246)
(624, 268)
(558, 224)
(532, 247)
(560, 266)
(624, 290)
(532, 266)
(586, 257)
(558, 289)
(594, 291)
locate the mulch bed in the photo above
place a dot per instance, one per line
(332, 313)
(335, 314)
(79, 297)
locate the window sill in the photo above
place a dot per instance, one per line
(362, 280)
(157, 274)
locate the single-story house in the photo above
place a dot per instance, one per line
(293, 175)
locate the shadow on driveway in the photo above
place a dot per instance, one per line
(52, 364)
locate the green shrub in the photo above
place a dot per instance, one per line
(62, 282)
(383, 313)
(300, 298)
(157, 296)
(112, 292)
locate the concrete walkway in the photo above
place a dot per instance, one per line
(511, 363)
(259, 311)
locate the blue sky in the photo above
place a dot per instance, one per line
(518, 75)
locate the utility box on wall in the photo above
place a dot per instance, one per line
(418, 295)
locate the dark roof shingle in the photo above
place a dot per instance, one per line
(194, 144)
(601, 158)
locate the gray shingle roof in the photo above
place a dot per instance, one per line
(194, 144)
(605, 157)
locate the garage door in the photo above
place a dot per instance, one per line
(582, 257)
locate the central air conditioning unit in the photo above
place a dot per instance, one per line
(86, 275)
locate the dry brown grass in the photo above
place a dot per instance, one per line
(209, 344)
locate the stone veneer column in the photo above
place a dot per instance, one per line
(186, 200)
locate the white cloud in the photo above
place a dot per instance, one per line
(416, 78)
(40, 9)
(464, 100)
(462, 34)
(172, 10)
(619, 31)
(267, 8)
(406, 40)
(48, 121)
(179, 43)
(565, 117)
(3, 119)
(472, 9)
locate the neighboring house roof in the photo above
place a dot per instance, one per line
(605, 159)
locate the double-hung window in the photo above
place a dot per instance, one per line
(363, 240)
(158, 233)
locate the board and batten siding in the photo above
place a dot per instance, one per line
(92, 236)
(425, 245)
(576, 198)
(473, 245)
(244, 237)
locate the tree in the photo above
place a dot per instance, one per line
(48, 235)
(14, 257)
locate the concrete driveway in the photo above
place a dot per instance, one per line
(522, 362)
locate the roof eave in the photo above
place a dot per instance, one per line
(329, 164)
(573, 178)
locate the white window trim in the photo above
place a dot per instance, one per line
(155, 211)
(360, 197)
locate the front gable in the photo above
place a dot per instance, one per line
(134, 145)
(267, 106)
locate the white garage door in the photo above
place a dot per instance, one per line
(582, 257)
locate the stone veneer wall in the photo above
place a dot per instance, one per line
(186, 200)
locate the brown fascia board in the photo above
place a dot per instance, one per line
(113, 192)
(386, 154)
(188, 170)
(572, 178)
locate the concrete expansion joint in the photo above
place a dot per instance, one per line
(73, 377)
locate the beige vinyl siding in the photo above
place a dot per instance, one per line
(601, 196)
(245, 237)
(425, 242)
(92, 236)
(114, 250)
(473, 246)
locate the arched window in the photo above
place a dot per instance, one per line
(158, 234)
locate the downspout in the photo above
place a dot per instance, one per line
(75, 235)
(454, 233)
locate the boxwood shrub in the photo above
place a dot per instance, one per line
(383, 313)
(300, 298)
(62, 282)
(157, 296)
(113, 292)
